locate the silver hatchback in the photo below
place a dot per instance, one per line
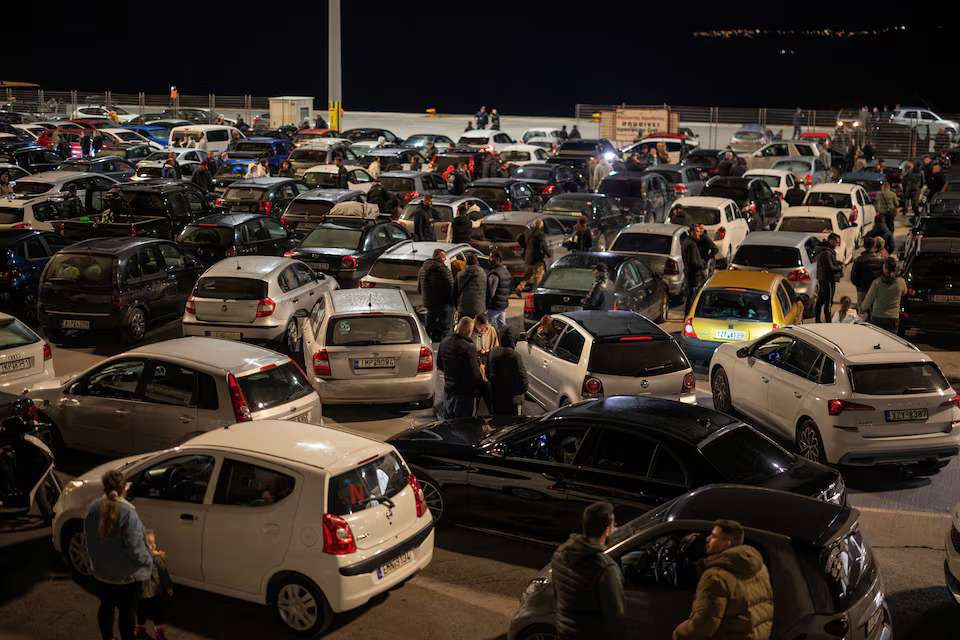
(790, 254)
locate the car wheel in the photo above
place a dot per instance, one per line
(720, 387)
(136, 326)
(46, 431)
(432, 495)
(29, 311)
(291, 338)
(810, 443)
(74, 546)
(301, 608)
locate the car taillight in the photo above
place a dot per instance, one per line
(680, 188)
(337, 536)
(191, 307)
(470, 165)
(808, 180)
(133, 231)
(426, 360)
(798, 275)
(750, 208)
(288, 254)
(348, 263)
(670, 267)
(688, 331)
(266, 307)
(410, 195)
(516, 247)
(284, 221)
(854, 213)
(733, 267)
(689, 382)
(367, 285)
(528, 304)
(775, 326)
(218, 202)
(48, 354)
(265, 206)
(60, 229)
(836, 407)
(721, 233)
(241, 412)
(780, 195)
(418, 495)
(547, 190)
(955, 400)
(22, 225)
(321, 363)
(506, 206)
(592, 387)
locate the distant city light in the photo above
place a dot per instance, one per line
(821, 33)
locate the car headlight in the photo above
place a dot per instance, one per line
(534, 587)
(835, 493)
(70, 486)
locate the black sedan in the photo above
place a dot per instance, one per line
(754, 197)
(536, 475)
(630, 286)
(604, 216)
(222, 235)
(370, 133)
(547, 179)
(932, 299)
(503, 194)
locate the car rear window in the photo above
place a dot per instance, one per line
(515, 156)
(643, 243)
(734, 304)
(444, 212)
(740, 195)
(695, 215)
(365, 330)
(569, 279)
(744, 456)
(637, 358)
(625, 188)
(314, 208)
(318, 156)
(491, 195)
(531, 173)
(897, 379)
(231, 288)
(31, 187)
(332, 238)
(258, 147)
(231, 171)
(357, 489)
(793, 166)
(825, 199)
(405, 185)
(14, 333)
(846, 567)
(869, 185)
(756, 255)
(502, 232)
(81, 268)
(10, 215)
(396, 269)
(939, 227)
(473, 140)
(207, 235)
(772, 181)
(149, 172)
(937, 267)
(806, 225)
(244, 193)
(273, 386)
(320, 179)
(748, 135)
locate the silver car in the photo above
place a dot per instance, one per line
(501, 231)
(446, 208)
(790, 254)
(806, 170)
(659, 246)
(924, 118)
(368, 346)
(255, 298)
(157, 396)
(399, 266)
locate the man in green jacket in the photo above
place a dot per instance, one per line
(734, 599)
(887, 204)
(882, 301)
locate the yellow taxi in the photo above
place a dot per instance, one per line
(738, 305)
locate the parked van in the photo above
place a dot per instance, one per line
(217, 136)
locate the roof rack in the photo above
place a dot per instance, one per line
(835, 346)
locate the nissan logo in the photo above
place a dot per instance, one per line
(223, 308)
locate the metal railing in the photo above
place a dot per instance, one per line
(35, 100)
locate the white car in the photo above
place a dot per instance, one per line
(25, 358)
(678, 146)
(308, 520)
(915, 117)
(115, 135)
(952, 566)
(546, 137)
(151, 167)
(521, 154)
(849, 394)
(721, 217)
(770, 152)
(102, 111)
(604, 353)
(821, 222)
(25, 211)
(369, 346)
(53, 182)
(14, 171)
(778, 180)
(258, 299)
(850, 197)
(323, 176)
(399, 266)
(159, 395)
(490, 139)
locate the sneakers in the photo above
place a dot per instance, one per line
(139, 631)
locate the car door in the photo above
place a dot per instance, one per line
(196, 208)
(790, 385)
(750, 381)
(555, 235)
(651, 290)
(168, 413)
(146, 278)
(309, 286)
(181, 276)
(35, 256)
(280, 239)
(848, 237)
(792, 305)
(770, 204)
(566, 371)
(254, 238)
(537, 354)
(866, 205)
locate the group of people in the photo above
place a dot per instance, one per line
(91, 142)
(482, 118)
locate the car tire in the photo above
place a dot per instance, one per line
(28, 311)
(432, 495)
(134, 327)
(810, 442)
(291, 338)
(301, 608)
(74, 546)
(720, 388)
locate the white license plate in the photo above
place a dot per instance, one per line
(900, 415)
(303, 417)
(374, 363)
(16, 365)
(229, 335)
(384, 570)
(725, 334)
(75, 324)
(945, 299)
(319, 266)
(560, 308)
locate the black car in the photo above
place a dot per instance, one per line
(282, 133)
(115, 284)
(754, 197)
(645, 196)
(228, 173)
(943, 225)
(347, 246)
(630, 286)
(306, 211)
(132, 152)
(503, 194)
(546, 179)
(578, 165)
(944, 202)
(30, 158)
(536, 475)
(932, 273)
(391, 158)
(604, 216)
(420, 140)
(23, 255)
(269, 196)
(707, 161)
(223, 235)
(370, 133)
(588, 148)
(116, 168)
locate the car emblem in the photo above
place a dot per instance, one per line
(224, 308)
(566, 298)
(293, 409)
(644, 383)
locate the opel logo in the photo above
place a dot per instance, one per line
(566, 298)
(644, 383)
(224, 308)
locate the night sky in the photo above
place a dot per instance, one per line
(520, 56)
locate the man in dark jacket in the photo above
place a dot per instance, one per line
(499, 286)
(472, 288)
(379, 196)
(462, 380)
(596, 297)
(912, 185)
(866, 268)
(201, 176)
(828, 272)
(423, 217)
(587, 582)
(574, 133)
(342, 178)
(85, 142)
(795, 195)
(936, 181)
(535, 254)
(460, 179)
(708, 248)
(694, 268)
(461, 229)
(506, 374)
(435, 286)
(725, 167)
(489, 167)
(881, 230)
(97, 142)
(72, 206)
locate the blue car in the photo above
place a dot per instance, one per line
(111, 166)
(275, 151)
(160, 135)
(23, 255)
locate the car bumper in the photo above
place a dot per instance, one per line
(104, 322)
(929, 318)
(674, 284)
(699, 351)
(951, 571)
(247, 332)
(17, 385)
(855, 450)
(419, 388)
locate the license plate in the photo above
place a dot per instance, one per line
(75, 324)
(947, 299)
(560, 308)
(384, 570)
(900, 415)
(16, 365)
(303, 417)
(319, 266)
(724, 334)
(229, 335)
(373, 363)
(305, 225)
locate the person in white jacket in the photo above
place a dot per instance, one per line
(600, 171)
(374, 168)
(258, 170)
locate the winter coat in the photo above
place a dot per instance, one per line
(495, 121)
(795, 196)
(881, 230)
(913, 180)
(374, 169)
(887, 202)
(866, 268)
(97, 144)
(472, 290)
(725, 167)
(596, 297)
(257, 171)
(124, 556)
(201, 177)
(499, 287)
(600, 171)
(734, 599)
(159, 581)
(828, 269)
(693, 264)
(589, 590)
(574, 134)
(461, 229)
(583, 241)
(506, 374)
(481, 118)
(85, 143)
(535, 249)
(883, 297)
(342, 179)
(435, 284)
(490, 166)
(286, 172)
(423, 218)
(457, 359)
(459, 183)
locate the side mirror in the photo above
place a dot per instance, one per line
(743, 352)
(301, 313)
(854, 224)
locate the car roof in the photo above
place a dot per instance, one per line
(656, 228)
(226, 219)
(614, 324)
(248, 266)
(331, 195)
(109, 245)
(860, 341)
(762, 280)
(589, 259)
(402, 174)
(12, 236)
(777, 238)
(867, 175)
(229, 355)
(834, 187)
(703, 201)
(494, 182)
(369, 300)
(766, 172)
(53, 176)
(480, 133)
(807, 211)
(260, 182)
(421, 250)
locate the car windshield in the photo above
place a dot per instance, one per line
(274, 386)
(561, 204)
(80, 268)
(244, 193)
(793, 166)
(755, 255)
(897, 379)
(14, 333)
(569, 279)
(744, 456)
(359, 488)
(502, 232)
(231, 171)
(401, 185)
(623, 188)
(210, 235)
(444, 212)
(366, 330)
(937, 267)
(416, 141)
(79, 167)
(748, 135)
(730, 303)
(806, 225)
(695, 215)
(579, 146)
(531, 173)
(256, 147)
(226, 288)
(637, 358)
(827, 199)
(333, 238)
(493, 196)
(473, 140)
(643, 243)
(772, 181)
(316, 156)
(31, 187)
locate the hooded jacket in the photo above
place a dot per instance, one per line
(457, 359)
(499, 287)
(734, 599)
(472, 290)
(883, 297)
(589, 592)
(123, 557)
(828, 269)
(435, 284)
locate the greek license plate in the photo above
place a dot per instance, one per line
(75, 324)
(300, 418)
(384, 570)
(229, 335)
(560, 308)
(373, 363)
(947, 299)
(900, 415)
(724, 334)
(16, 365)
(319, 266)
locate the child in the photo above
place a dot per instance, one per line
(846, 315)
(155, 590)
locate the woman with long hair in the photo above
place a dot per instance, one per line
(119, 555)
(845, 314)
(582, 236)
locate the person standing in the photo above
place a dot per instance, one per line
(471, 289)
(563, 133)
(725, 167)
(494, 119)
(435, 286)
(201, 176)
(798, 115)
(97, 142)
(795, 195)
(489, 167)
(600, 171)
(887, 204)
(582, 239)
(63, 147)
(881, 230)
(119, 556)
(6, 189)
(212, 163)
(72, 205)
(596, 297)
(460, 180)
(866, 268)
(201, 142)
(588, 582)
(461, 229)
(319, 122)
(708, 248)
(429, 151)
(694, 267)
(379, 196)
(341, 179)
(499, 286)
(734, 598)
(574, 133)
(882, 301)
(85, 143)
(535, 254)
(462, 380)
(485, 338)
(937, 181)
(913, 181)
(286, 170)
(828, 272)
(374, 168)
(481, 118)
(423, 217)
(506, 375)
(171, 168)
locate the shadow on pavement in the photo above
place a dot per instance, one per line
(922, 614)
(27, 563)
(485, 545)
(885, 478)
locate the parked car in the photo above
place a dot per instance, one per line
(756, 200)
(112, 167)
(951, 567)
(308, 209)
(25, 358)
(503, 194)
(112, 135)
(24, 253)
(445, 208)
(851, 197)
(269, 196)
(398, 266)
(930, 271)
(521, 154)
(419, 140)
(392, 158)
(659, 246)
(25, 211)
(370, 133)
(309, 135)
(821, 222)
(872, 182)
(677, 145)
(806, 171)
(187, 159)
(311, 154)
(115, 284)
(30, 158)
(129, 152)
(645, 197)
(768, 154)
(604, 216)
(408, 185)
(54, 182)
(685, 181)
(224, 235)
(275, 151)
(228, 173)
(502, 231)
(934, 227)
(778, 180)
(706, 161)
(13, 171)
(726, 225)
(793, 255)
(324, 176)
(548, 133)
(473, 158)
(217, 136)
(153, 132)
(917, 118)
(588, 148)
(103, 111)
(546, 180)
(489, 139)
(748, 140)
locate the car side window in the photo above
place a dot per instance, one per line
(783, 300)
(553, 227)
(622, 452)
(860, 198)
(172, 256)
(791, 294)
(645, 274)
(828, 371)
(304, 274)
(244, 484)
(118, 380)
(287, 280)
(55, 242)
(275, 230)
(179, 479)
(253, 232)
(194, 204)
(316, 316)
(558, 445)
(45, 211)
(802, 360)
(35, 249)
(667, 468)
(811, 247)
(842, 221)
(773, 350)
(378, 239)
(804, 150)
(149, 261)
(172, 384)
(289, 192)
(570, 346)
(545, 341)
(396, 233)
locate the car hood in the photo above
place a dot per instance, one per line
(803, 477)
(461, 432)
(51, 385)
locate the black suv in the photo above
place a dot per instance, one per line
(754, 197)
(546, 179)
(115, 284)
(645, 196)
(588, 148)
(932, 273)
(503, 194)
(31, 158)
(261, 195)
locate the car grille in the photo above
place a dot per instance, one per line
(955, 538)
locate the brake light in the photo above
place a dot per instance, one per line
(284, 222)
(528, 304)
(426, 360)
(775, 326)
(516, 247)
(689, 382)
(836, 407)
(266, 307)
(721, 233)
(288, 254)
(506, 206)
(418, 495)
(241, 412)
(808, 180)
(444, 227)
(61, 229)
(688, 331)
(733, 268)
(592, 387)
(337, 536)
(191, 307)
(367, 285)
(470, 165)
(798, 275)
(854, 213)
(634, 338)
(750, 208)
(410, 195)
(321, 363)
(547, 190)
(48, 354)
(955, 400)
(780, 195)
(680, 188)
(265, 206)
(218, 202)
(348, 263)
(22, 225)
(670, 267)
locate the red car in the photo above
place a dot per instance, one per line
(73, 136)
(94, 123)
(309, 134)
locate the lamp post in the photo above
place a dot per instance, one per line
(334, 86)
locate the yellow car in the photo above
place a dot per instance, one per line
(738, 305)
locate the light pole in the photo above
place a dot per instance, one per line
(334, 87)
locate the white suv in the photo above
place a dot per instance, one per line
(309, 520)
(849, 394)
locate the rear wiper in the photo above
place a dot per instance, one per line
(381, 499)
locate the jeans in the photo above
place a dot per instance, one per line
(457, 405)
(887, 324)
(692, 285)
(439, 321)
(824, 301)
(797, 130)
(860, 296)
(496, 318)
(122, 597)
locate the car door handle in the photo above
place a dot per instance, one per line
(313, 292)
(797, 394)
(295, 300)
(765, 379)
(123, 412)
(187, 419)
(187, 516)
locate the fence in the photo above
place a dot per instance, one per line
(35, 101)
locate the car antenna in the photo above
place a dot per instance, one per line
(239, 268)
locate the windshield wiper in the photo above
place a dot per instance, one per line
(381, 499)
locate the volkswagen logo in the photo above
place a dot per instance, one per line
(223, 308)
(566, 298)
(644, 383)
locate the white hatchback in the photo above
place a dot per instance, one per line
(25, 359)
(778, 180)
(820, 222)
(850, 394)
(852, 198)
(722, 220)
(308, 520)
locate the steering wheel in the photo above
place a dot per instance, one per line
(666, 565)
